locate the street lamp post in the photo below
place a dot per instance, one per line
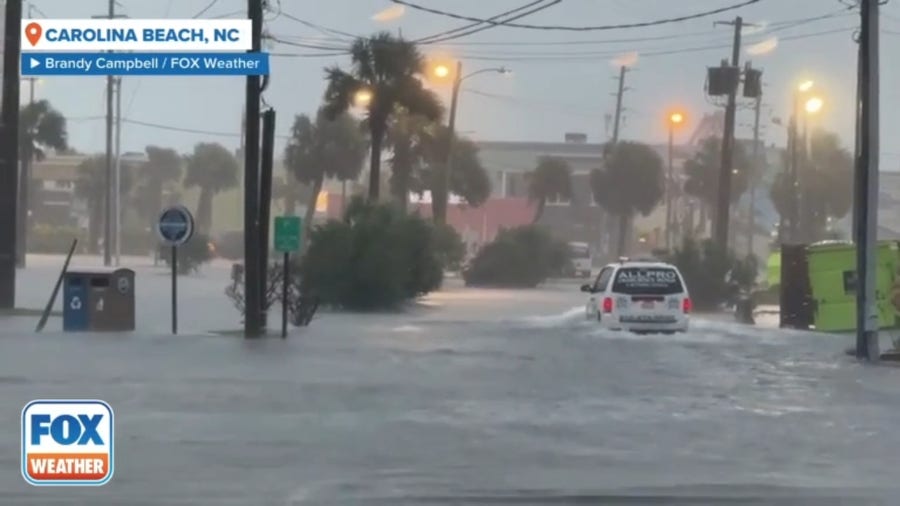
(443, 195)
(812, 105)
(675, 119)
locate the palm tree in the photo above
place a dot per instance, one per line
(552, 179)
(389, 69)
(824, 182)
(407, 136)
(631, 183)
(291, 192)
(213, 169)
(163, 167)
(702, 173)
(91, 187)
(41, 127)
(328, 147)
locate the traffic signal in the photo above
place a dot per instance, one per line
(752, 83)
(722, 80)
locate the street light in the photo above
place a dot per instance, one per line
(675, 120)
(811, 106)
(814, 105)
(362, 98)
(443, 195)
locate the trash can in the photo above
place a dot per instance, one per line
(98, 299)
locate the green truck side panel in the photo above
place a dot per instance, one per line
(835, 306)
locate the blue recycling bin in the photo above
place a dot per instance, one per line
(98, 300)
(75, 303)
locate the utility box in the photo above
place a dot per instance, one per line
(98, 300)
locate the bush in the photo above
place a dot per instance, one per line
(713, 277)
(376, 258)
(53, 239)
(191, 255)
(450, 247)
(521, 257)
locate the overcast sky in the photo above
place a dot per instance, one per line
(556, 86)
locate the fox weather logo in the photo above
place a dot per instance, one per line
(67, 442)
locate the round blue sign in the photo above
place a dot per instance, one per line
(175, 226)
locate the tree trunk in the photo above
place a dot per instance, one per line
(311, 210)
(24, 199)
(439, 196)
(623, 234)
(539, 211)
(204, 211)
(375, 164)
(94, 222)
(343, 196)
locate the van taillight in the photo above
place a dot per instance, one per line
(686, 305)
(607, 305)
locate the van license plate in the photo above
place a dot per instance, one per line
(647, 304)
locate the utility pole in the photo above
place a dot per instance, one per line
(252, 282)
(118, 172)
(619, 94)
(866, 173)
(617, 120)
(720, 225)
(9, 152)
(23, 217)
(109, 179)
(107, 204)
(754, 176)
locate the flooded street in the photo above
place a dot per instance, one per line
(479, 397)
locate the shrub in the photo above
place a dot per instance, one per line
(376, 258)
(53, 239)
(521, 257)
(191, 255)
(713, 277)
(450, 247)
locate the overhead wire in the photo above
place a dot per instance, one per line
(471, 25)
(642, 24)
(437, 38)
(205, 9)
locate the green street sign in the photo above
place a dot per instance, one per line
(287, 233)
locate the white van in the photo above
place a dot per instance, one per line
(639, 296)
(580, 255)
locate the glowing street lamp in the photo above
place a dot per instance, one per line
(442, 71)
(676, 119)
(362, 98)
(814, 105)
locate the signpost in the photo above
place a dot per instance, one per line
(287, 239)
(175, 227)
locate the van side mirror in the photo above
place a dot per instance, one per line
(586, 288)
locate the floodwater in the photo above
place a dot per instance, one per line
(479, 397)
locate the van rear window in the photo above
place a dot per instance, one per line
(647, 281)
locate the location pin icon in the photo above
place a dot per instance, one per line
(33, 33)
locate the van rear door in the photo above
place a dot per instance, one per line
(646, 291)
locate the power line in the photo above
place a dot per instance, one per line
(454, 34)
(592, 55)
(578, 28)
(203, 10)
(171, 128)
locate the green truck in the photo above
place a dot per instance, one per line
(819, 289)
